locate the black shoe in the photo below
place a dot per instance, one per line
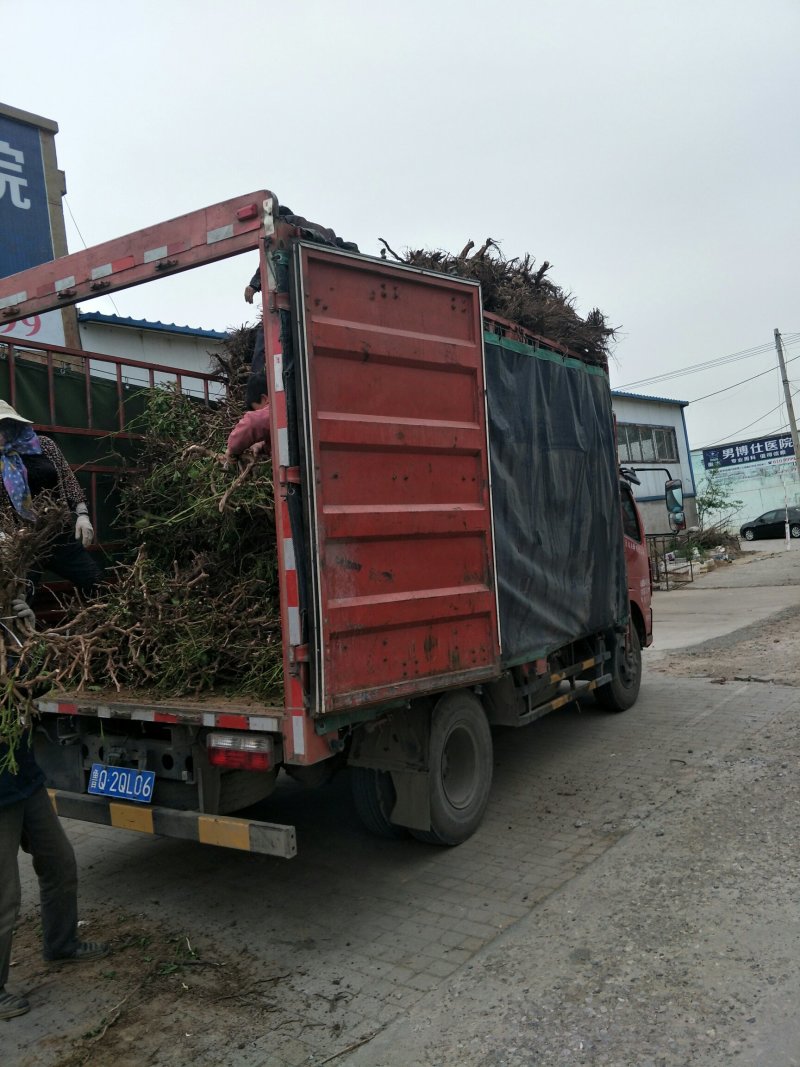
(11, 1005)
(86, 950)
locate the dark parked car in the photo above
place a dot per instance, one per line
(771, 524)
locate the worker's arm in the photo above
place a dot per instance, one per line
(253, 427)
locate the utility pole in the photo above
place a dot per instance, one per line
(788, 393)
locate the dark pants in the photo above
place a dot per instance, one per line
(259, 360)
(34, 825)
(70, 561)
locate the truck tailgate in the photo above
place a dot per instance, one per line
(392, 398)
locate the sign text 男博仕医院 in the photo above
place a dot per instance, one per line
(761, 450)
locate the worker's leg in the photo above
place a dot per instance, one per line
(10, 834)
(54, 862)
(258, 362)
(70, 560)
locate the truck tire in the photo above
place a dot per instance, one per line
(626, 667)
(460, 760)
(374, 798)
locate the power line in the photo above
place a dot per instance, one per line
(694, 368)
(697, 367)
(735, 434)
(77, 227)
(726, 388)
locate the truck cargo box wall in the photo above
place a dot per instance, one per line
(555, 493)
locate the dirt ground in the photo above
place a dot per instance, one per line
(766, 652)
(155, 996)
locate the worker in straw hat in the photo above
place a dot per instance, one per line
(31, 464)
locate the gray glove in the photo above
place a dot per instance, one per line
(84, 531)
(24, 613)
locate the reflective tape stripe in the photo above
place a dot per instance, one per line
(102, 272)
(298, 734)
(283, 446)
(64, 283)
(232, 722)
(222, 720)
(294, 626)
(153, 254)
(288, 554)
(228, 833)
(15, 298)
(277, 365)
(272, 839)
(129, 817)
(220, 234)
(260, 722)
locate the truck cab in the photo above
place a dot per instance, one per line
(640, 589)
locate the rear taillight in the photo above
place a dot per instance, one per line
(240, 752)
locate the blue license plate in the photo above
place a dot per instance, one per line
(123, 783)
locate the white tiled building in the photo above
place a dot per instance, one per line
(651, 432)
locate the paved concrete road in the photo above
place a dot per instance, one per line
(761, 584)
(360, 938)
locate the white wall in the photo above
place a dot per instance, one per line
(185, 352)
(760, 487)
(650, 494)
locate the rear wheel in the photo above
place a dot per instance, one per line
(460, 776)
(374, 798)
(794, 530)
(749, 535)
(626, 668)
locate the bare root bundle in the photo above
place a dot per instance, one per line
(518, 290)
(24, 672)
(196, 608)
(191, 607)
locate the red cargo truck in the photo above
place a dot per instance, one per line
(452, 551)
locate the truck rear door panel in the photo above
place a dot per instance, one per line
(397, 479)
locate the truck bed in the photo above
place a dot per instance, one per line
(213, 709)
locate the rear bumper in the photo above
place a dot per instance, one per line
(248, 835)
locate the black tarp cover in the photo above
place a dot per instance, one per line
(555, 494)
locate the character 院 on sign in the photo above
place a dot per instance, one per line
(11, 164)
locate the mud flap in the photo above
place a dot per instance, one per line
(413, 806)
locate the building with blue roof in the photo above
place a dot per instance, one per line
(651, 432)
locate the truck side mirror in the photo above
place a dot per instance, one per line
(677, 520)
(673, 494)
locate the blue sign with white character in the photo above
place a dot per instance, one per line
(757, 451)
(25, 238)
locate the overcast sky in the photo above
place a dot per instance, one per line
(648, 150)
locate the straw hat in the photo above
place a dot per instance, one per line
(7, 412)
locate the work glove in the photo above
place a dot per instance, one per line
(84, 531)
(24, 613)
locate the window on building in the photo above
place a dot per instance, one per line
(646, 444)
